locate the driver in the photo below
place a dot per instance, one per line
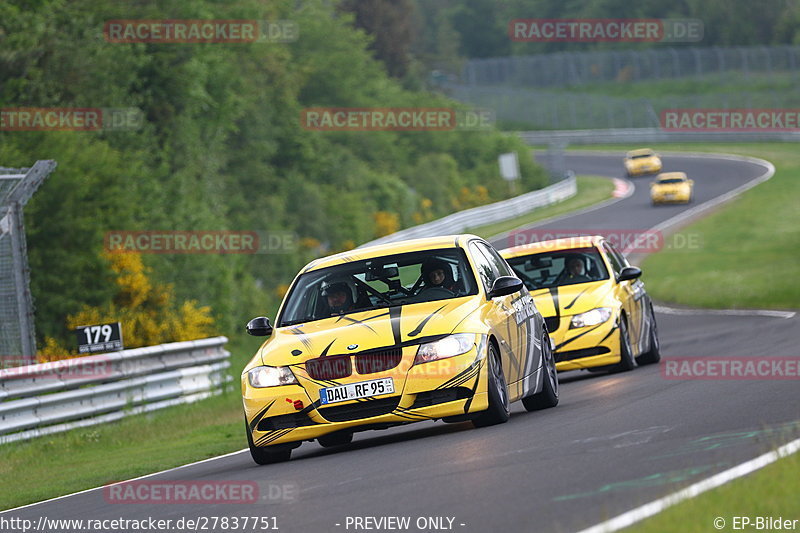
(339, 297)
(576, 270)
(437, 273)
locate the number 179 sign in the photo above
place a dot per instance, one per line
(100, 338)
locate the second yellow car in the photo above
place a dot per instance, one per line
(593, 302)
(643, 161)
(671, 187)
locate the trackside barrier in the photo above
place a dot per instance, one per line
(486, 214)
(48, 398)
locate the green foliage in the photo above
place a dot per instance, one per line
(222, 147)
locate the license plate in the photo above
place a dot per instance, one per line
(354, 391)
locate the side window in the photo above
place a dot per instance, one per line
(617, 262)
(498, 262)
(485, 268)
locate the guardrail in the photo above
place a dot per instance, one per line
(48, 398)
(486, 214)
(651, 135)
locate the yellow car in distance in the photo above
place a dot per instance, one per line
(594, 304)
(671, 187)
(643, 161)
(436, 328)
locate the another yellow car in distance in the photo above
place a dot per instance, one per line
(641, 162)
(436, 328)
(671, 187)
(595, 306)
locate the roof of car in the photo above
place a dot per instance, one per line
(380, 250)
(641, 151)
(566, 243)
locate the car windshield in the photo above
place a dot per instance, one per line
(387, 281)
(670, 180)
(557, 268)
(641, 156)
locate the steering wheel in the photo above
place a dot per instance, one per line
(433, 292)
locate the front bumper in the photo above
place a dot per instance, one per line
(293, 413)
(585, 347)
(679, 198)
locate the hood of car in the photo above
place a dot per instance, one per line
(365, 330)
(568, 300)
(643, 161)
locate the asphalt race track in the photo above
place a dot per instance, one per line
(613, 443)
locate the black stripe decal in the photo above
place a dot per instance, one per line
(394, 318)
(554, 296)
(256, 419)
(421, 325)
(576, 298)
(576, 337)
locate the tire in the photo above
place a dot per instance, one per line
(627, 362)
(263, 455)
(499, 409)
(548, 396)
(653, 355)
(332, 440)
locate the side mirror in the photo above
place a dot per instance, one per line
(505, 285)
(629, 273)
(259, 327)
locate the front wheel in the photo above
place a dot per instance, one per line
(263, 455)
(627, 362)
(653, 355)
(548, 396)
(499, 410)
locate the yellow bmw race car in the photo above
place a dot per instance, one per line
(644, 161)
(671, 187)
(595, 306)
(436, 328)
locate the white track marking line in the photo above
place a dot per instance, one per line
(126, 481)
(650, 509)
(729, 312)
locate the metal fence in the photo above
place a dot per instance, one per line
(540, 109)
(52, 397)
(580, 68)
(552, 91)
(486, 214)
(558, 140)
(16, 306)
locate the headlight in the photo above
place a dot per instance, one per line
(450, 346)
(591, 318)
(270, 376)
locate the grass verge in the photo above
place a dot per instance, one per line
(591, 190)
(769, 492)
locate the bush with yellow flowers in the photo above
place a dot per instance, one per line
(146, 310)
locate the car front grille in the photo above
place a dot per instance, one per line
(434, 397)
(330, 367)
(379, 360)
(577, 354)
(359, 410)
